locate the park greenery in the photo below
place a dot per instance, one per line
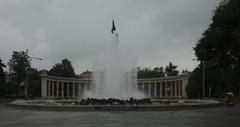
(20, 68)
(2, 78)
(63, 69)
(158, 72)
(18, 65)
(218, 50)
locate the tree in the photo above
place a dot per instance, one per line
(63, 69)
(171, 70)
(17, 65)
(185, 72)
(219, 45)
(34, 83)
(2, 78)
(195, 89)
(147, 72)
(144, 72)
(219, 49)
(11, 89)
(158, 72)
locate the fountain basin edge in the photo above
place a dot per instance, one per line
(113, 107)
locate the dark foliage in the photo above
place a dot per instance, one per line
(158, 72)
(18, 65)
(2, 79)
(63, 69)
(171, 70)
(147, 72)
(219, 49)
(34, 83)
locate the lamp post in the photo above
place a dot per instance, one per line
(203, 77)
(26, 89)
(30, 59)
(203, 80)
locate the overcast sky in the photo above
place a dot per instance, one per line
(154, 31)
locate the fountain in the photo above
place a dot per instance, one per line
(114, 88)
(115, 76)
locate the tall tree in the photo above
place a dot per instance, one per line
(195, 89)
(219, 49)
(18, 65)
(171, 70)
(2, 78)
(63, 69)
(220, 43)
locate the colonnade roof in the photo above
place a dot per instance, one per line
(87, 80)
(166, 78)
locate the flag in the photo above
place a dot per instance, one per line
(113, 27)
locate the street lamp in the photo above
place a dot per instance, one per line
(30, 59)
(203, 85)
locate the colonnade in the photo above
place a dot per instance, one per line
(61, 87)
(155, 88)
(57, 88)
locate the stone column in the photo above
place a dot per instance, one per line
(144, 88)
(160, 89)
(166, 89)
(67, 89)
(44, 87)
(171, 89)
(49, 86)
(62, 89)
(57, 83)
(185, 82)
(73, 89)
(179, 88)
(155, 89)
(175, 89)
(79, 89)
(52, 83)
(149, 89)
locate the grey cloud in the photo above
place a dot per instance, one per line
(154, 31)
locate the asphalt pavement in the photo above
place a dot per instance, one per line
(208, 117)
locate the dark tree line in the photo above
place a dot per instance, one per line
(158, 72)
(219, 48)
(2, 78)
(18, 65)
(63, 69)
(20, 68)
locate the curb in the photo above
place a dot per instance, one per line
(113, 107)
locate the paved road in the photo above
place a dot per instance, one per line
(211, 117)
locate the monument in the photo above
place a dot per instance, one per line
(113, 86)
(114, 76)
